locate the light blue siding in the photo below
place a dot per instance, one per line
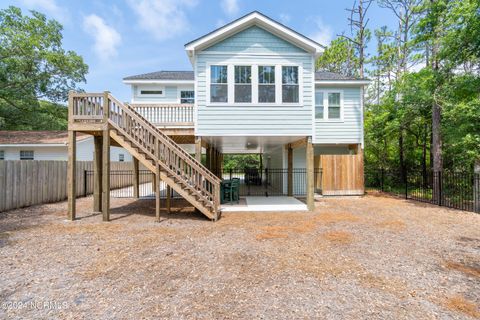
(350, 129)
(254, 119)
(172, 93)
(254, 39)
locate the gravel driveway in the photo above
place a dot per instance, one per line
(370, 257)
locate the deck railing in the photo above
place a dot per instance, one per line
(157, 146)
(167, 115)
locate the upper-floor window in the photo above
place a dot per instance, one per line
(26, 155)
(160, 92)
(334, 105)
(218, 84)
(243, 84)
(266, 84)
(2, 155)
(319, 105)
(290, 86)
(121, 157)
(187, 96)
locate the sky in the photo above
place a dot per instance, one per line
(119, 38)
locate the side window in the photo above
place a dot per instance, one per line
(290, 86)
(218, 84)
(319, 105)
(266, 84)
(243, 84)
(2, 155)
(26, 155)
(187, 96)
(121, 157)
(334, 105)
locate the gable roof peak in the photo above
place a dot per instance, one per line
(250, 19)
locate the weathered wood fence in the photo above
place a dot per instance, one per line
(28, 182)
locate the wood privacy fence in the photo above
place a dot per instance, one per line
(28, 182)
(341, 174)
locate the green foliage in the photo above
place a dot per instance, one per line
(446, 36)
(33, 66)
(241, 161)
(339, 57)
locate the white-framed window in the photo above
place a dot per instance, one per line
(290, 85)
(2, 154)
(319, 108)
(329, 105)
(334, 105)
(26, 154)
(121, 157)
(187, 96)
(157, 92)
(243, 84)
(266, 84)
(218, 84)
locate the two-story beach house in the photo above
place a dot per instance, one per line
(253, 88)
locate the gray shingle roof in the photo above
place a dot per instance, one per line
(163, 75)
(326, 75)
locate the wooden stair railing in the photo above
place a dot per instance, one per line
(157, 147)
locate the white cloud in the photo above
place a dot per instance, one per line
(284, 18)
(49, 7)
(106, 37)
(230, 7)
(164, 19)
(323, 33)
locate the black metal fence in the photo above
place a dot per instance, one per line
(253, 182)
(121, 184)
(458, 190)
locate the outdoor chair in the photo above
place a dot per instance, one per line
(231, 191)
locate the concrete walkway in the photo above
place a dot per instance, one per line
(274, 203)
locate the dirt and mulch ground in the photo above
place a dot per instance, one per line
(367, 257)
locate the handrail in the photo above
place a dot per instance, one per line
(157, 146)
(171, 142)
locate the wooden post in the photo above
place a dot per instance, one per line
(310, 187)
(169, 200)
(71, 174)
(106, 174)
(198, 149)
(476, 187)
(208, 157)
(157, 182)
(290, 170)
(136, 180)
(97, 174)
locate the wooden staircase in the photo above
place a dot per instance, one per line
(155, 150)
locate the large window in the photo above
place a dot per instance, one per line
(319, 105)
(218, 84)
(187, 96)
(334, 105)
(26, 155)
(243, 84)
(266, 84)
(290, 85)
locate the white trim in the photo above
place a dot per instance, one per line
(255, 19)
(353, 82)
(231, 85)
(325, 106)
(361, 117)
(245, 54)
(34, 145)
(158, 81)
(151, 95)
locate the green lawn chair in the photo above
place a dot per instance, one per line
(232, 191)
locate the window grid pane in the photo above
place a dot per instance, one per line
(26, 154)
(266, 84)
(243, 86)
(319, 105)
(290, 75)
(266, 74)
(218, 84)
(187, 96)
(334, 105)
